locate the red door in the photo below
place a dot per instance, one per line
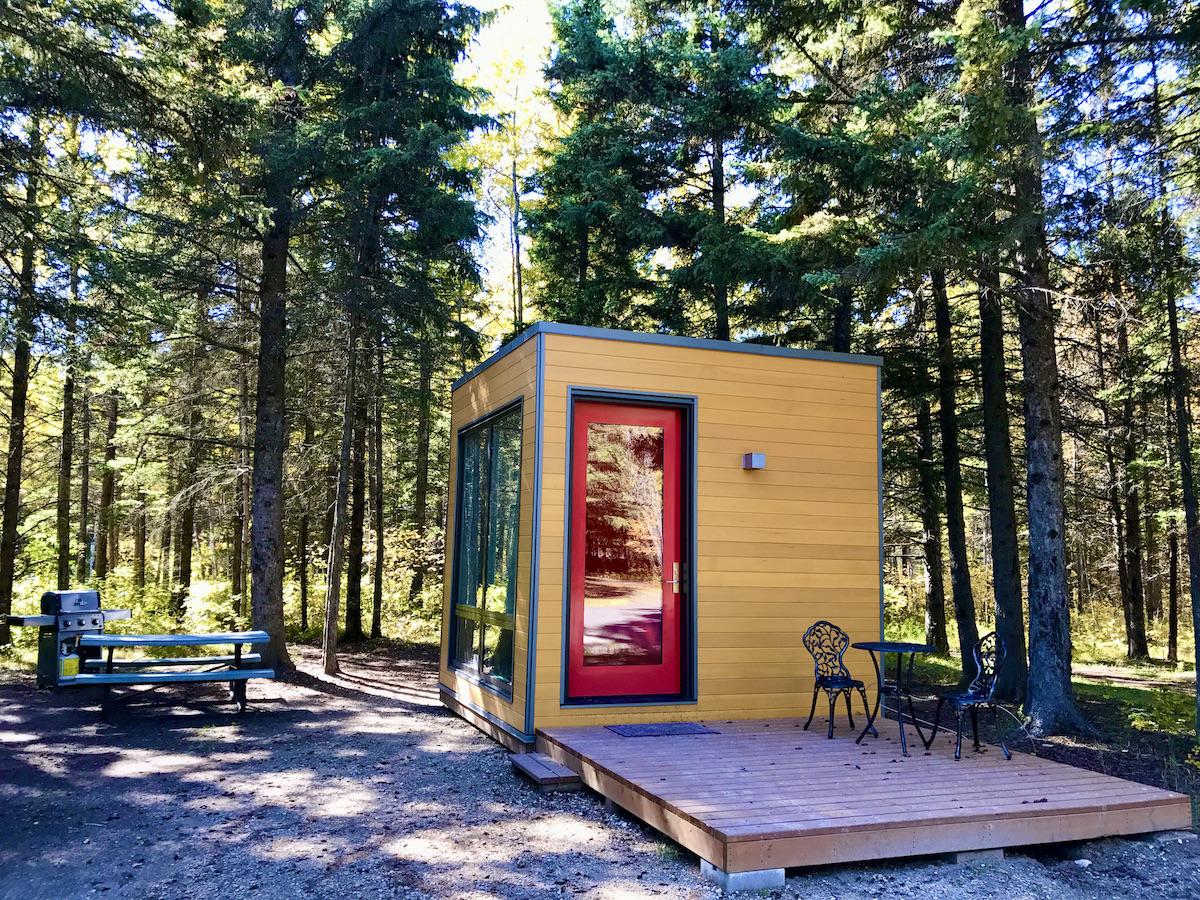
(625, 586)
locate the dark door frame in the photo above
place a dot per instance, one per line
(689, 669)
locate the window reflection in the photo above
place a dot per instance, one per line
(623, 567)
(486, 548)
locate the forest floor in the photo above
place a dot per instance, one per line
(364, 786)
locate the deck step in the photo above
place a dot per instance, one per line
(545, 772)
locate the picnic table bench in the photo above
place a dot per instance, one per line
(110, 672)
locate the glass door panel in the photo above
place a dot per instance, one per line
(623, 566)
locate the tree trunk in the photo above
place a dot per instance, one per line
(843, 318)
(139, 543)
(1002, 511)
(1172, 547)
(354, 557)
(420, 512)
(931, 535)
(331, 476)
(518, 277)
(270, 431)
(186, 503)
(82, 562)
(1180, 377)
(377, 496)
(25, 314)
(114, 528)
(1169, 250)
(163, 574)
(1153, 556)
(1172, 591)
(1050, 701)
(66, 456)
(236, 531)
(181, 582)
(66, 459)
(241, 517)
(720, 288)
(956, 532)
(302, 569)
(1136, 644)
(104, 515)
(302, 539)
(333, 579)
(1116, 512)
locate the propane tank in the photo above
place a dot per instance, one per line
(68, 661)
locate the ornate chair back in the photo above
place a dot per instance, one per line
(989, 655)
(827, 643)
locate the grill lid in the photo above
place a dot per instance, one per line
(56, 602)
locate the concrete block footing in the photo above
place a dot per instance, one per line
(757, 880)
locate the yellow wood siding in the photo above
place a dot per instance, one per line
(777, 548)
(500, 384)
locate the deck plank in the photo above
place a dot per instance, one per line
(767, 794)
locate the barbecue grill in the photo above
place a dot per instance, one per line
(65, 616)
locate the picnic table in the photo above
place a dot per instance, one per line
(154, 671)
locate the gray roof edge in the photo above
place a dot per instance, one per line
(668, 340)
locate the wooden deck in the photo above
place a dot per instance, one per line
(768, 795)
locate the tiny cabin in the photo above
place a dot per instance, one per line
(642, 527)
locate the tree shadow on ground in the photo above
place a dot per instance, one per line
(356, 786)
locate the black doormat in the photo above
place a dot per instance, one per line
(661, 729)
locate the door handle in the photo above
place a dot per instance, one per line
(674, 582)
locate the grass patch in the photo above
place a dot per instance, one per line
(668, 851)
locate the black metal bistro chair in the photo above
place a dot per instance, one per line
(827, 643)
(989, 653)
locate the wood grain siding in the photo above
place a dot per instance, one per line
(778, 548)
(508, 379)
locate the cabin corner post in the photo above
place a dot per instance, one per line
(535, 554)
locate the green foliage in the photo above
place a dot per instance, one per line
(1165, 710)
(167, 147)
(669, 118)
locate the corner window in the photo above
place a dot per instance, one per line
(485, 549)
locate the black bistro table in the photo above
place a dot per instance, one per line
(899, 689)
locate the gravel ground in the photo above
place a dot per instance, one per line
(366, 787)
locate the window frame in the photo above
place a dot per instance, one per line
(481, 617)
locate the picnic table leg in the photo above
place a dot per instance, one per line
(237, 664)
(107, 690)
(239, 687)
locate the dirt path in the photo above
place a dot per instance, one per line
(368, 788)
(1123, 676)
